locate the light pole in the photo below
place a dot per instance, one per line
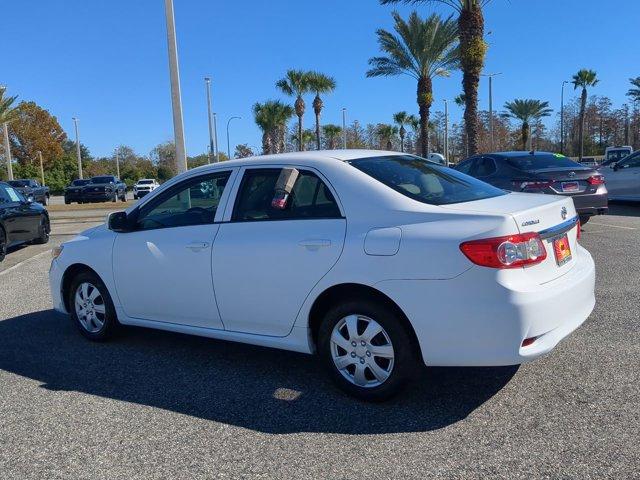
(564, 82)
(117, 164)
(344, 128)
(176, 100)
(446, 130)
(41, 167)
(228, 144)
(212, 148)
(78, 153)
(491, 75)
(7, 150)
(215, 135)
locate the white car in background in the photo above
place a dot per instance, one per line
(143, 187)
(377, 261)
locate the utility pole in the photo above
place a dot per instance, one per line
(215, 136)
(207, 83)
(344, 128)
(491, 75)
(176, 99)
(78, 152)
(446, 130)
(117, 164)
(41, 167)
(228, 144)
(7, 150)
(564, 82)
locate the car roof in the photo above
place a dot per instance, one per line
(520, 153)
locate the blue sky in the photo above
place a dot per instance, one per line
(105, 61)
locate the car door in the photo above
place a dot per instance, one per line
(21, 220)
(162, 268)
(268, 255)
(624, 180)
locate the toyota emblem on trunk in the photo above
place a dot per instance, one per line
(572, 174)
(563, 213)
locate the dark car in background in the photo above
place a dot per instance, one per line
(542, 172)
(31, 189)
(104, 188)
(73, 191)
(21, 220)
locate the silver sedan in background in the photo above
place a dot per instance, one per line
(623, 178)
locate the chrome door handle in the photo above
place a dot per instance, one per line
(197, 246)
(314, 244)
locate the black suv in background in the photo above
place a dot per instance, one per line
(31, 190)
(73, 191)
(542, 172)
(103, 188)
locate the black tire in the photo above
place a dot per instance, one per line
(110, 321)
(3, 244)
(115, 198)
(406, 359)
(584, 219)
(44, 229)
(44, 201)
(67, 202)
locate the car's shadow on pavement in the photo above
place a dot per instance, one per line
(256, 388)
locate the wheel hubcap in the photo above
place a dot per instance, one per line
(90, 307)
(362, 351)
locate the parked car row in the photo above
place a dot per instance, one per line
(103, 188)
(31, 190)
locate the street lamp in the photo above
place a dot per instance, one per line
(176, 100)
(344, 128)
(117, 163)
(212, 146)
(446, 131)
(78, 153)
(228, 144)
(491, 75)
(564, 82)
(215, 135)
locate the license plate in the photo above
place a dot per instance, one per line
(570, 186)
(562, 250)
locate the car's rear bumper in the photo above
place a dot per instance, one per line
(476, 319)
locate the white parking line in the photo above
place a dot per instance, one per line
(41, 254)
(614, 226)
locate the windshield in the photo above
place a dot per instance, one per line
(18, 183)
(542, 162)
(79, 183)
(145, 182)
(616, 155)
(425, 181)
(102, 179)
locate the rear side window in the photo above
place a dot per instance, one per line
(485, 167)
(309, 198)
(542, 162)
(425, 181)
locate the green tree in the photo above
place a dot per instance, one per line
(272, 117)
(401, 119)
(35, 129)
(319, 83)
(421, 49)
(473, 50)
(308, 136)
(8, 113)
(296, 84)
(163, 157)
(583, 79)
(331, 133)
(386, 133)
(243, 151)
(634, 92)
(527, 111)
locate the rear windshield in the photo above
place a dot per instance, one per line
(145, 182)
(616, 155)
(79, 183)
(102, 179)
(541, 162)
(425, 181)
(18, 183)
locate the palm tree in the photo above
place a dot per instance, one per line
(473, 49)
(386, 133)
(8, 113)
(308, 136)
(319, 83)
(527, 111)
(331, 133)
(402, 119)
(634, 93)
(414, 123)
(583, 79)
(272, 117)
(296, 84)
(421, 49)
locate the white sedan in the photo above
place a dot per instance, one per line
(377, 261)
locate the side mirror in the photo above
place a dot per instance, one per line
(118, 222)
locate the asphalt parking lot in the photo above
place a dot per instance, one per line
(160, 405)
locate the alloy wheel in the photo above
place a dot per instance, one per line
(90, 307)
(362, 351)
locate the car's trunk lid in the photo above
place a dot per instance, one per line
(568, 180)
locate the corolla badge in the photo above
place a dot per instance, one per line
(530, 222)
(563, 213)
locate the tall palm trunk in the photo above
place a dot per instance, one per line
(402, 134)
(317, 108)
(425, 98)
(583, 106)
(472, 51)
(525, 135)
(299, 106)
(266, 143)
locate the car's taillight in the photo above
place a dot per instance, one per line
(532, 185)
(506, 252)
(595, 180)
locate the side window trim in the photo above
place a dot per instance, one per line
(239, 180)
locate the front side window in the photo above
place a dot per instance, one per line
(193, 202)
(103, 180)
(309, 197)
(9, 195)
(425, 181)
(630, 161)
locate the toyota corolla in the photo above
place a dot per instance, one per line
(379, 262)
